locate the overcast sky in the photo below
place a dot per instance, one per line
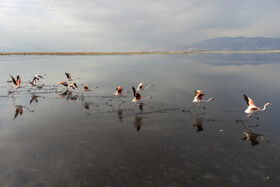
(125, 25)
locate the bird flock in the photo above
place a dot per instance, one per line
(137, 98)
(69, 85)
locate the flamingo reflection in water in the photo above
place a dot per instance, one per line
(137, 122)
(198, 120)
(68, 95)
(118, 111)
(35, 98)
(19, 108)
(251, 136)
(87, 104)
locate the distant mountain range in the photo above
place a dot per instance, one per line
(229, 44)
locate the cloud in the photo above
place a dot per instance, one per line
(85, 25)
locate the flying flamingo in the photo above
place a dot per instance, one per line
(86, 89)
(119, 93)
(38, 77)
(69, 77)
(199, 98)
(33, 82)
(73, 85)
(252, 107)
(138, 99)
(140, 87)
(119, 90)
(64, 84)
(16, 81)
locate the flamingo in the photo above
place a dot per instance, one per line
(119, 92)
(38, 77)
(138, 99)
(33, 82)
(252, 107)
(69, 78)
(16, 81)
(199, 98)
(73, 85)
(140, 87)
(86, 89)
(68, 75)
(137, 96)
(64, 84)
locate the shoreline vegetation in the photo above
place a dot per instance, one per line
(134, 53)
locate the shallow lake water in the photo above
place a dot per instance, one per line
(52, 138)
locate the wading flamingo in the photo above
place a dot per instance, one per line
(140, 87)
(86, 89)
(252, 108)
(199, 98)
(69, 77)
(137, 97)
(16, 81)
(119, 93)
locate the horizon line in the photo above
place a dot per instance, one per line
(133, 53)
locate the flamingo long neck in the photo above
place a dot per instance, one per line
(125, 93)
(146, 98)
(264, 107)
(148, 86)
(207, 100)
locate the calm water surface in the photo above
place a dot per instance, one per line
(70, 140)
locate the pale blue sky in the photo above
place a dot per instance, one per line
(125, 25)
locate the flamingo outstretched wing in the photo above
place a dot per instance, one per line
(249, 101)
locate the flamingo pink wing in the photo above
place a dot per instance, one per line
(251, 102)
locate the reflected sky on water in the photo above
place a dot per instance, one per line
(51, 137)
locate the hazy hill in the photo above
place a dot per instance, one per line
(231, 44)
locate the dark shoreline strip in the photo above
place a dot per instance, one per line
(134, 53)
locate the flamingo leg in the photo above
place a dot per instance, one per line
(264, 140)
(250, 116)
(191, 107)
(110, 100)
(198, 106)
(121, 100)
(135, 104)
(27, 108)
